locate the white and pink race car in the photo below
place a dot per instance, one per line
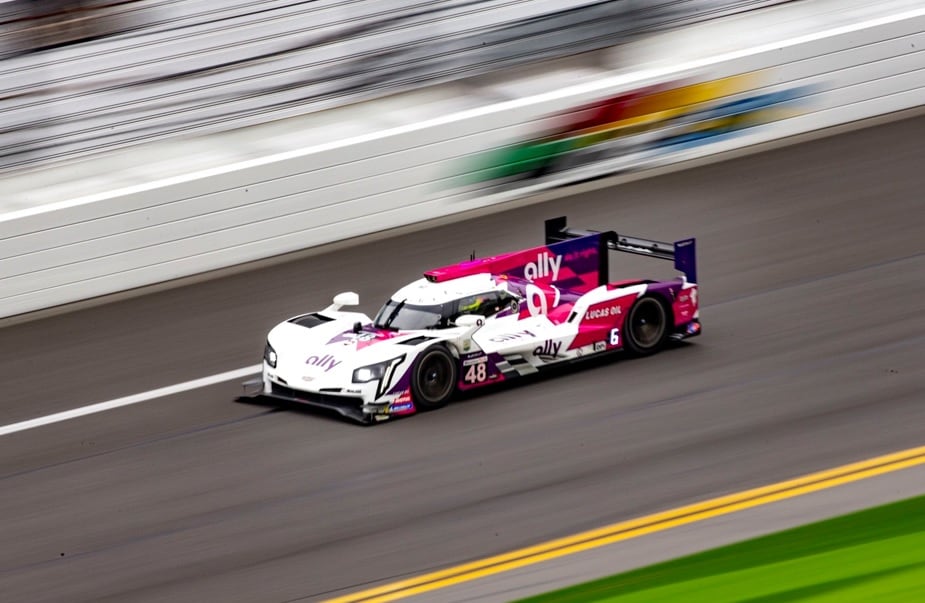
(478, 323)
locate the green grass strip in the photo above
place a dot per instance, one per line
(873, 555)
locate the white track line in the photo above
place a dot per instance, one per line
(128, 400)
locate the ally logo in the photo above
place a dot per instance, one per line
(327, 362)
(545, 265)
(549, 350)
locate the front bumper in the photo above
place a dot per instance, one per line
(348, 406)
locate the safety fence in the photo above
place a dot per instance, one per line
(474, 159)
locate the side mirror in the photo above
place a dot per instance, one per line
(469, 320)
(347, 298)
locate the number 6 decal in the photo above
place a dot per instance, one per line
(615, 336)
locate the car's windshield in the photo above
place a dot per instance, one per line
(409, 317)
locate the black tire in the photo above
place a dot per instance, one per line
(433, 380)
(646, 327)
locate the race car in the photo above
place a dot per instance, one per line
(478, 323)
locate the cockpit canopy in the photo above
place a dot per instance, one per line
(401, 315)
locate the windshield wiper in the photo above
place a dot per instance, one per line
(388, 321)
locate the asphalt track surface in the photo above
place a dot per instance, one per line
(812, 266)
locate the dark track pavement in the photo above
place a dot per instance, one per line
(812, 267)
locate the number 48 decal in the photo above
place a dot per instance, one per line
(477, 373)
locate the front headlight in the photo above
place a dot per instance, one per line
(269, 354)
(365, 374)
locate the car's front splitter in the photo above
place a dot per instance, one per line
(350, 407)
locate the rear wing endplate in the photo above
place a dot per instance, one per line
(683, 253)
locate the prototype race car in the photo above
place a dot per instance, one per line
(480, 322)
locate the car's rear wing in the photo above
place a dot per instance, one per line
(683, 253)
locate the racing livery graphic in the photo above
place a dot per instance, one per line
(480, 322)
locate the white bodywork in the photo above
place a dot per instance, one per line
(323, 359)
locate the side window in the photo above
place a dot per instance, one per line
(483, 304)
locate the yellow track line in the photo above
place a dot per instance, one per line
(634, 528)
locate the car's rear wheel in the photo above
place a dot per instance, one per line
(434, 378)
(646, 328)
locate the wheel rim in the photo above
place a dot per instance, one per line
(434, 377)
(647, 323)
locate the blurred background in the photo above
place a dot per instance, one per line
(81, 76)
(810, 357)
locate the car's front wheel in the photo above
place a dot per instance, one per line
(434, 378)
(646, 326)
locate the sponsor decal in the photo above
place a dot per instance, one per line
(549, 350)
(546, 265)
(364, 338)
(595, 313)
(350, 337)
(402, 403)
(572, 263)
(512, 336)
(327, 362)
(685, 305)
(600, 324)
